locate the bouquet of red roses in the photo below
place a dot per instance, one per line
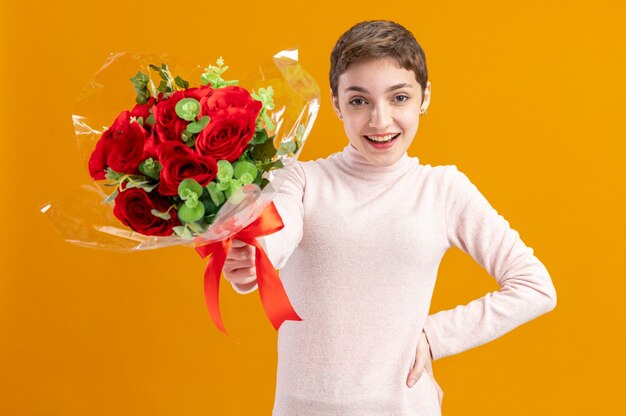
(190, 164)
(176, 157)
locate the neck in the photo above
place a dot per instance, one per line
(359, 166)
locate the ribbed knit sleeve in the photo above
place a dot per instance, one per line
(288, 202)
(526, 289)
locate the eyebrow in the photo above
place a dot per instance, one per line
(393, 87)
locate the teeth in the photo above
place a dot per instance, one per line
(382, 138)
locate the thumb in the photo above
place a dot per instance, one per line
(416, 372)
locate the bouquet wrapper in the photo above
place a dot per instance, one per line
(83, 219)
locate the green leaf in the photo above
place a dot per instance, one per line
(246, 179)
(287, 147)
(213, 75)
(190, 141)
(135, 184)
(260, 137)
(162, 215)
(192, 202)
(196, 228)
(188, 138)
(225, 170)
(111, 197)
(181, 82)
(150, 187)
(217, 196)
(209, 205)
(268, 121)
(188, 187)
(269, 165)
(235, 193)
(140, 84)
(188, 108)
(234, 185)
(150, 168)
(222, 186)
(183, 232)
(112, 175)
(187, 214)
(162, 86)
(278, 164)
(264, 151)
(197, 126)
(245, 168)
(265, 95)
(300, 132)
(194, 128)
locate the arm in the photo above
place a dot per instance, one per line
(526, 289)
(281, 244)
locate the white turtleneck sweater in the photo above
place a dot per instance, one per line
(358, 258)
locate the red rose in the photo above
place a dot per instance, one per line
(98, 159)
(180, 162)
(149, 148)
(231, 96)
(168, 126)
(227, 134)
(121, 148)
(142, 110)
(199, 93)
(134, 206)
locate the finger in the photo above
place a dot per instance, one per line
(239, 267)
(429, 365)
(415, 373)
(239, 243)
(241, 253)
(232, 264)
(246, 280)
(241, 275)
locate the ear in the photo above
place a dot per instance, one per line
(335, 101)
(427, 94)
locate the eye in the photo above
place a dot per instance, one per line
(356, 99)
(402, 96)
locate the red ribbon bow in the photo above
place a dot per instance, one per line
(273, 296)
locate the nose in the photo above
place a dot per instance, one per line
(381, 117)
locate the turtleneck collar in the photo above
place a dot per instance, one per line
(359, 166)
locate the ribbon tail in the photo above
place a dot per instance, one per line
(273, 296)
(212, 276)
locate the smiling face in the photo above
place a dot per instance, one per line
(380, 104)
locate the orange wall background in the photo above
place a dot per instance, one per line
(528, 99)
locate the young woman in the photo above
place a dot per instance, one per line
(365, 231)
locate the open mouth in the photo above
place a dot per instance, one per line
(382, 139)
